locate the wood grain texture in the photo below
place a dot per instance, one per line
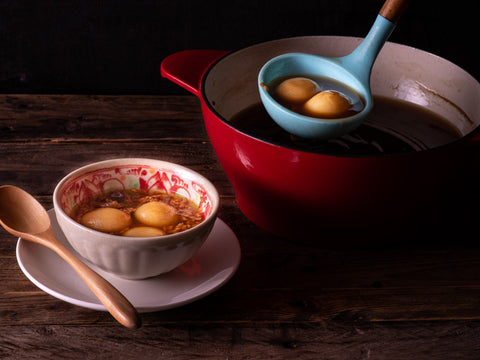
(333, 341)
(408, 300)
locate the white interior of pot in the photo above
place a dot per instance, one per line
(399, 72)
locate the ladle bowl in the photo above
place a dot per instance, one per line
(23, 216)
(352, 70)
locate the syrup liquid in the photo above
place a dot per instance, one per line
(393, 127)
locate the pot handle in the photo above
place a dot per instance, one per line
(186, 68)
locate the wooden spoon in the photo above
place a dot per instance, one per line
(23, 216)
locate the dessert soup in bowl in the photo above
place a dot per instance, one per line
(135, 257)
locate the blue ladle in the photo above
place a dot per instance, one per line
(352, 70)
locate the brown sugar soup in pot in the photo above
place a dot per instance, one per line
(137, 213)
(393, 127)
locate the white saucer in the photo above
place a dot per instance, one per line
(210, 268)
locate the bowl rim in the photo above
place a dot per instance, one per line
(125, 240)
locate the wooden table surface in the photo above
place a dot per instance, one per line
(286, 301)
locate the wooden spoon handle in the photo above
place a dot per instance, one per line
(119, 306)
(393, 9)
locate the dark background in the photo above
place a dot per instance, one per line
(116, 46)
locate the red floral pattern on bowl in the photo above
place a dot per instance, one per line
(133, 176)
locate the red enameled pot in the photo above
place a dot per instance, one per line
(324, 198)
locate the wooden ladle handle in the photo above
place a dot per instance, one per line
(393, 9)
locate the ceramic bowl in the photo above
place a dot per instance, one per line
(134, 257)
